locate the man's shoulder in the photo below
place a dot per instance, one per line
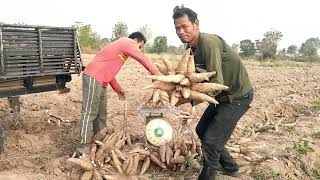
(123, 40)
(207, 39)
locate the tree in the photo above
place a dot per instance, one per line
(310, 48)
(172, 50)
(247, 48)
(160, 44)
(87, 37)
(267, 47)
(292, 51)
(182, 48)
(119, 30)
(105, 41)
(235, 47)
(282, 54)
(148, 48)
(146, 31)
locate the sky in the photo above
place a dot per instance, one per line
(233, 20)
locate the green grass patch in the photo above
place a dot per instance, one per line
(300, 147)
(316, 173)
(315, 102)
(298, 108)
(316, 135)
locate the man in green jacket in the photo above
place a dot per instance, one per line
(217, 123)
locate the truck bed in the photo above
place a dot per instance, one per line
(37, 58)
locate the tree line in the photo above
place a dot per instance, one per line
(90, 40)
(267, 48)
(261, 49)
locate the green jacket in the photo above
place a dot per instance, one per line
(213, 54)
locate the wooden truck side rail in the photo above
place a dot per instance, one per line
(37, 58)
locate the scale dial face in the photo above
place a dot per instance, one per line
(159, 132)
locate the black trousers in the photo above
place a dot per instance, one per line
(215, 128)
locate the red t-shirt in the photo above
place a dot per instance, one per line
(108, 62)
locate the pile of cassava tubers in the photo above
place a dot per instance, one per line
(117, 155)
(120, 155)
(181, 82)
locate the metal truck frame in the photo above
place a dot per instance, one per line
(35, 59)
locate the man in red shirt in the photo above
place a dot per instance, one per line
(102, 71)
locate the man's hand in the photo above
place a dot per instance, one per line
(121, 95)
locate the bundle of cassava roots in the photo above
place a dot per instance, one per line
(181, 82)
(119, 155)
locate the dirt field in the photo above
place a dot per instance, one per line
(283, 124)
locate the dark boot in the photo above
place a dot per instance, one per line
(229, 165)
(207, 174)
(235, 173)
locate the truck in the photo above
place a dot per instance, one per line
(36, 59)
